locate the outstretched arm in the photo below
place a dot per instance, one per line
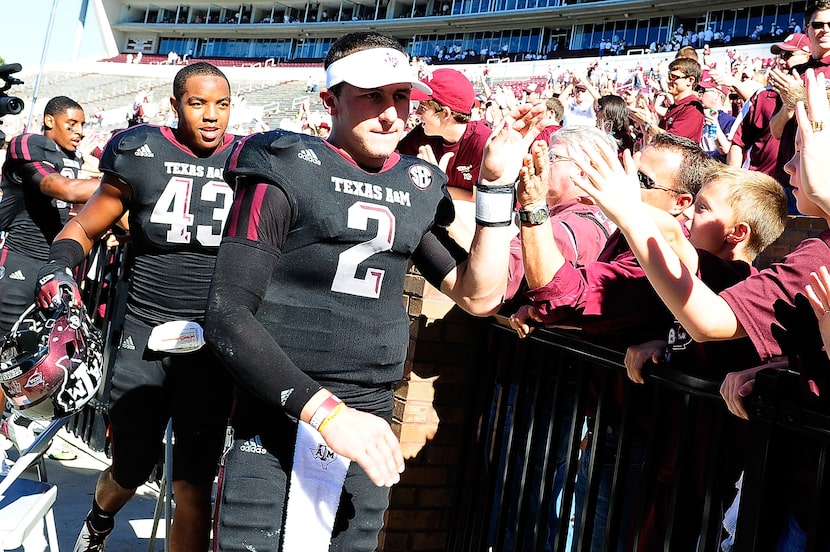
(818, 292)
(478, 284)
(103, 210)
(814, 131)
(615, 187)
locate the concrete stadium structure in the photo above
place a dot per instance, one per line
(303, 30)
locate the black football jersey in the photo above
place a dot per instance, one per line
(177, 210)
(32, 218)
(334, 303)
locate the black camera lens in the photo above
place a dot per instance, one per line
(9, 105)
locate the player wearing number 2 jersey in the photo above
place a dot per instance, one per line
(170, 181)
(306, 304)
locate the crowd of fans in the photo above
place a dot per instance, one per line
(700, 158)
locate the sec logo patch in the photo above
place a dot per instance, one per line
(421, 176)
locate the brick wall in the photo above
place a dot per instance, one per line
(798, 229)
(429, 419)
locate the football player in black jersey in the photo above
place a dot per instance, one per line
(40, 181)
(170, 182)
(306, 303)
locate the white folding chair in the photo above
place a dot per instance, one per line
(26, 505)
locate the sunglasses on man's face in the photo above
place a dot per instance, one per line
(673, 77)
(648, 183)
(819, 25)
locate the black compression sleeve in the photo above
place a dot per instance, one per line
(66, 252)
(240, 281)
(437, 255)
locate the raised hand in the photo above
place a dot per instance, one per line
(509, 142)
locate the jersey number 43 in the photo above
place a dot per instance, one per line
(174, 209)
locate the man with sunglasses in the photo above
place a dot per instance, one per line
(611, 299)
(684, 117)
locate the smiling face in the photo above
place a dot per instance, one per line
(368, 123)
(662, 166)
(680, 84)
(819, 38)
(431, 115)
(66, 129)
(203, 112)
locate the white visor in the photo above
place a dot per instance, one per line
(374, 68)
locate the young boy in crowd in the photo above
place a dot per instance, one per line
(737, 214)
(769, 307)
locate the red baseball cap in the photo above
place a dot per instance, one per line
(450, 88)
(793, 43)
(706, 81)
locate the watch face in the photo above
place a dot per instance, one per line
(536, 216)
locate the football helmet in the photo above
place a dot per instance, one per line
(51, 362)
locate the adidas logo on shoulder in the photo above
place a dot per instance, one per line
(144, 151)
(253, 445)
(17, 275)
(310, 156)
(127, 343)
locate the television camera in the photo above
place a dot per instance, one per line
(9, 105)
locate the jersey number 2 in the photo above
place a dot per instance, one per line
(173, 209)
(346, 279)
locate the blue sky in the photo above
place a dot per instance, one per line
(24, 32)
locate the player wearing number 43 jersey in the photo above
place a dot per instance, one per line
(170, 181)
(306, 303)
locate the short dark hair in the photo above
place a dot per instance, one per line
(696, 164)
(200, 68)
(813, 7)
(689, 67)
(60, 104)
(357, 42)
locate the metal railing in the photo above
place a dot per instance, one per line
(665, 454)
(104, 286)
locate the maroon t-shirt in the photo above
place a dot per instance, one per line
(711, 360)
(580, 232)
(611, 297)
(685, 118)
(547, 132)
(753, 134)
(771, 305)
(464, 167)
(777, 317)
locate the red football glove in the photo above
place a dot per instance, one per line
(55, 284)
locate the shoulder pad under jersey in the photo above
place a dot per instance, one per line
(254, 155)
(131, 139)
(31, 147)
(284, 140)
